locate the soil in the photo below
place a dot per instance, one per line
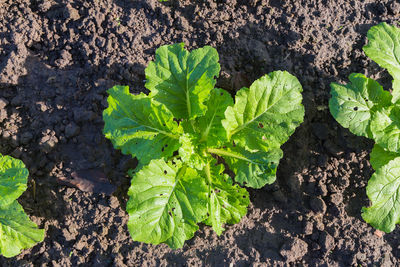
(58, 58)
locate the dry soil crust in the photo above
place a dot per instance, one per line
(58, 57)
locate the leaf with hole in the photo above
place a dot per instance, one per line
(267, 113)
(184, 132)
(368, 110)
(354, 104)
(148, 131)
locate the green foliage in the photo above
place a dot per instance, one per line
(384, 48)
(267, 113)
(17, 231)
(181, 132)
(148, 131)
(383, 190)
(353, 105)
(182, 81)
(367, 110)
(166, 202)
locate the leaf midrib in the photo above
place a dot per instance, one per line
(4, 221)
(155, 129)
(390, 183)
(177, 180)
(231, 154)
(241, 127)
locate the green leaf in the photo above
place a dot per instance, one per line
(380, 157)
(17, 231)
(385, 128)
(182, 81)
(267, 113)
(166, 203)
(210, 126)
(384, 48)
(396, 91)
(252, 169)
(189, 153)
(353, 104)
(227, 202)
(13, 179)
(384, 191)
(140, 126)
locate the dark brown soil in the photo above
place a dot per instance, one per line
(58, 57)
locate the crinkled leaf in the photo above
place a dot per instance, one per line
(253, 169)
(384, 191)
(189, 154)
(227, 202)
(384, 48)
(353, 104)
(17, 231)
(210, 126)
(380, 157)
(182, 80)
(166, 203)
(13, 179)
(140, 126)
(385, 128)
(267, 113)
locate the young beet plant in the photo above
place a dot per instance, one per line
(17, 231)
(367, 110)
(181, 132)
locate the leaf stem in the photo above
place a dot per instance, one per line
(181, 172)
(159, 131)
(170, 135)
(208, 172)
(176, 157)
(221, 152)
(192, 123)
(204, 135)
(188, 104)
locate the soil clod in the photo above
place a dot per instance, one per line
(294, 249)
